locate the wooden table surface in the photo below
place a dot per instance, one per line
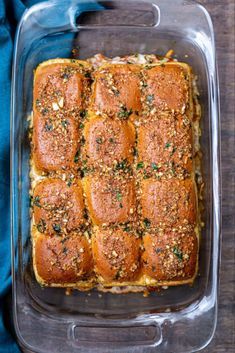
(222, 13)
(223, 18)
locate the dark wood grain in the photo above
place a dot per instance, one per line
(222, 13)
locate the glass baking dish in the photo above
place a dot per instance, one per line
(179, 319)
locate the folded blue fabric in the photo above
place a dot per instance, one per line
(10, 14)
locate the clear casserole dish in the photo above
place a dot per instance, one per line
(179, 319)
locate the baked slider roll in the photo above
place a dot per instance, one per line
(170, 257)
(167, 87)
(116, 90)
(62, 261)
(108, 141)
(130, 133)
(60, 86)
(169, 203)
(58, 208)
(55, 143)
(165, 146)
(110, 199)
(116, 256)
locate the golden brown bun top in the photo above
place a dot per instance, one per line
(60, 89)
(170, 255)
(167, 87)
(110, 199)
(112, 94)
(55, 143)
(108, 141)
(116, 254)
(60, 86)
(164, 146)
(126, 130)
(62, 260)
(169, 203)
(58, 208)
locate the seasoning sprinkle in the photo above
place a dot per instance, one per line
(124, 113)
(69, 183)
(119, 196)
(76, 157)
(150, 98)
(154, 166)
(122, 165)
(127, 228)
(36, 201)
(167, 145)
(48, 127)
(83, 113)
(57, 228)
(41, 226)
(147, 222)
(178, 253)
(140, 165)
(65, 250)
(45, 111)
(99, 140)
(64, 123)
(87, 75)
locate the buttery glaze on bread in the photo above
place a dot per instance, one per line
(169, 203)
(60, 89)
(170, 255)
(108, 141)
(165, 141)
(116, 90)
(116, 255)
(167, 87)
(114, 193)
(58, 208)
(59, 260)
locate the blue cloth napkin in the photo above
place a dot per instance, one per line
(10, 14)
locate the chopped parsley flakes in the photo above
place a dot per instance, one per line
(119, 196)
(48, 127)
(83, 113)
(147, 222)
(76, 157)
(99, 140)
(140, 165)
(36, 201)
(41, 226)
(122, 165)
(57, 228)
(154, 166)
(178, 253)
(124, 113)
(64, 123)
